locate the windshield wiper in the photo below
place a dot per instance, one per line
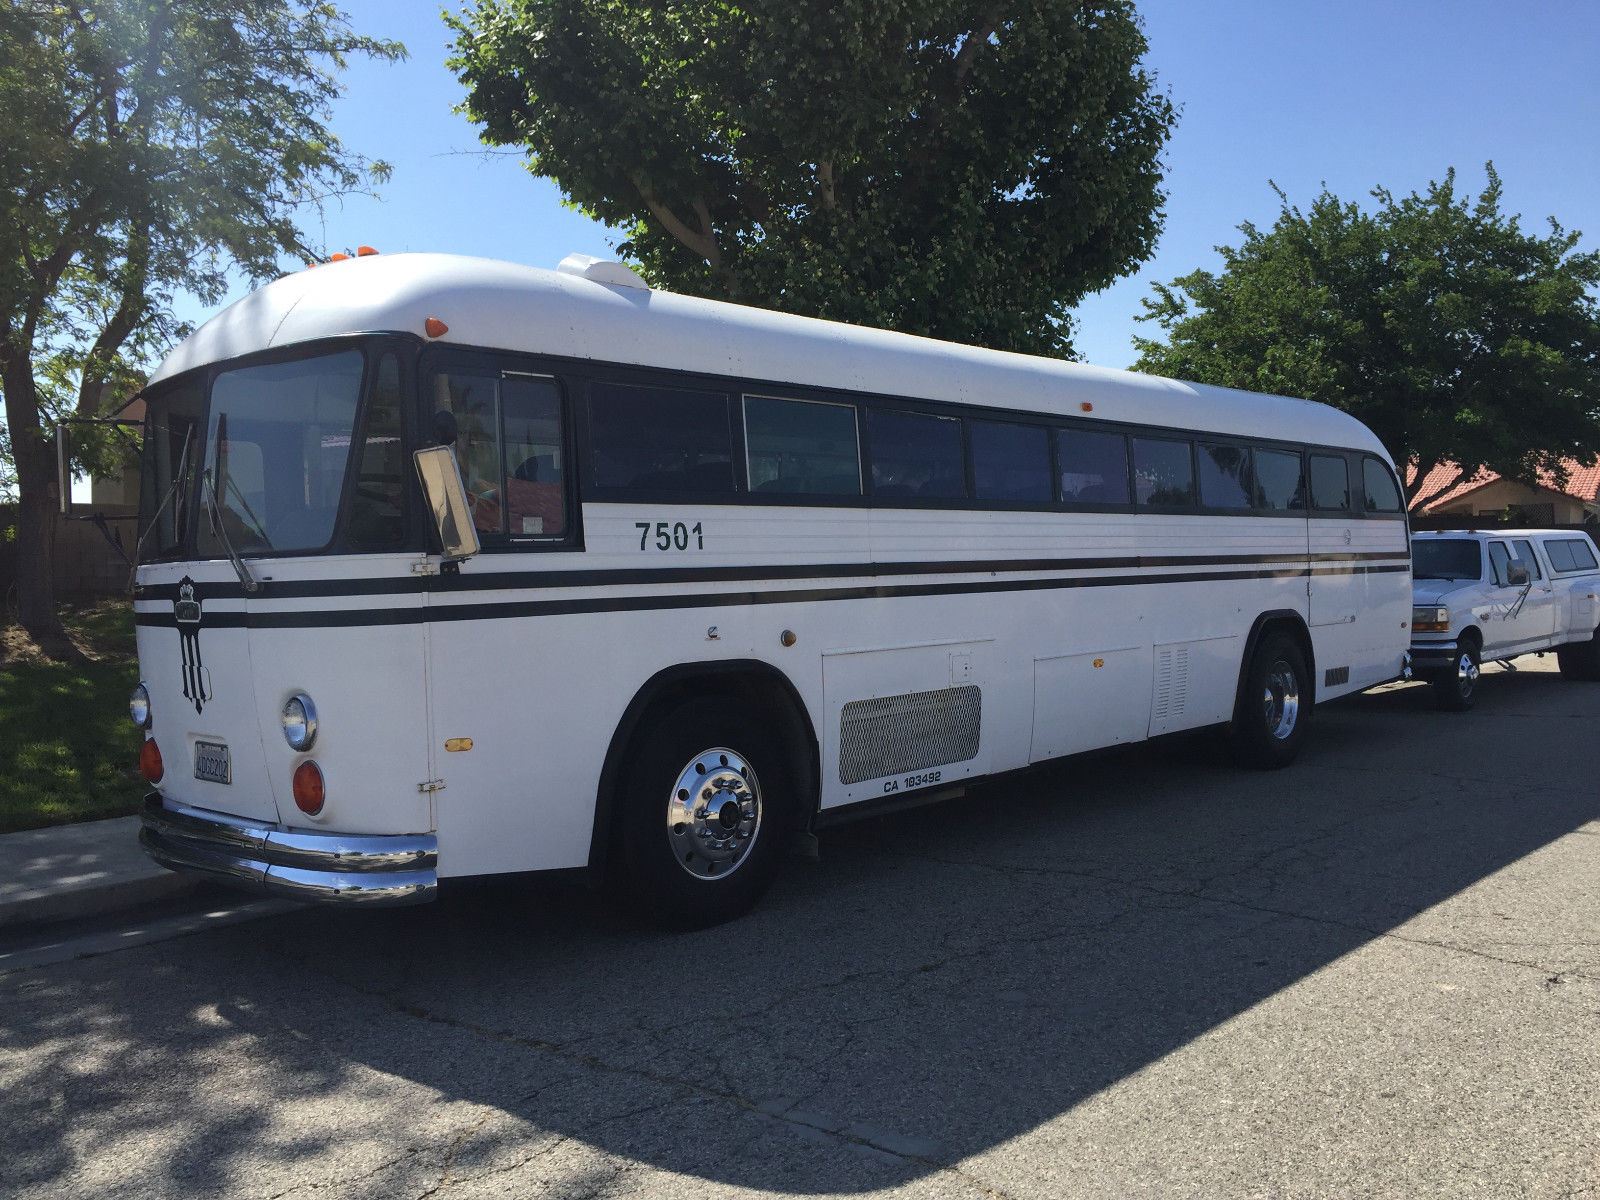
(218, 527)
(172, 490)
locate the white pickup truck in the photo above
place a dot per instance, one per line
(1487, 597)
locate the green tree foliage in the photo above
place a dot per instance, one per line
(150, 147)
(959, 170)
(1453, 334)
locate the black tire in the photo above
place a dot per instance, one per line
(1274, 705)
(1580, 661)
(1457, 689)
(681, 873)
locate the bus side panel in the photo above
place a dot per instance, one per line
(1360, 602)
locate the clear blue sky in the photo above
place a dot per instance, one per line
(1356, 94)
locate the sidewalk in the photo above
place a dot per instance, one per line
(78, 871)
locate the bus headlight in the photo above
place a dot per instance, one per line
(139, 706)
(1430, 619)
(299, 722)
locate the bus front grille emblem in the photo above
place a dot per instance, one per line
(186, 612)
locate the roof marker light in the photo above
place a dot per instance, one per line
(1086, 406)
(435, 327)
(363, 251)
(337, 257)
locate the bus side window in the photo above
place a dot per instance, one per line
(1010, 462)
(1226, 477)
(1381, 492)
(474, 400)
(378, 495)
(660, 439)
(1163, 473)
(1093, 466)
(801, 447)
(1330, 483)
(1280, 481)
(915, 455)
(535, 498)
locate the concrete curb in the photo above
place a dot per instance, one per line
(83, 870)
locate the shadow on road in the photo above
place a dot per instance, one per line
(942, 981)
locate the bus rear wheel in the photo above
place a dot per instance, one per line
(1274, 705)
(700, 817)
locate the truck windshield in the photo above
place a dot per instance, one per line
(1446, 558)
(266, 467)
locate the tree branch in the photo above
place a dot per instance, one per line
(703, 243)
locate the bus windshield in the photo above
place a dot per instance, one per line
(267, 472)
(1453, 558)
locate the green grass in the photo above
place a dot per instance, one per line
(69, 751)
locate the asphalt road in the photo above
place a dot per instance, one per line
(1146, 974)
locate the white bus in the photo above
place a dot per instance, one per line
(694, 579)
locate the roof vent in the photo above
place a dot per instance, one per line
(586, 266)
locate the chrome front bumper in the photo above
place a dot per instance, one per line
(302, 864)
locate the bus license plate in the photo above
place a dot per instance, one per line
(212, 761)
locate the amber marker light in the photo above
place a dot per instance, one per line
(337, 257)
(363, 251)
(308, 793)
(1086, 406)
(150, 761)
(435, 327)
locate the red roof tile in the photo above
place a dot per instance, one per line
(1445, 483)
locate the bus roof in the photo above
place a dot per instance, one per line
(501, 305)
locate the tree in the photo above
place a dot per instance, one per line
(151, 146)
(965, 171)
(1454, 335)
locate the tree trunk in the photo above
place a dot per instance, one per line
(36, 517)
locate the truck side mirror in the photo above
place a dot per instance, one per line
(1517, 577)
(447, 501)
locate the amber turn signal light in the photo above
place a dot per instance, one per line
(150, 761)
(308, 794)
(435, 327)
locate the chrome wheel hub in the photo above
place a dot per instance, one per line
(713, 814)
(1280, 700)
(1466, 673)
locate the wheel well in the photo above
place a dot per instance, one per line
(1471, 634)
(1290, 622)
(758, 685)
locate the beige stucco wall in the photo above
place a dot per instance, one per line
(1502, 493)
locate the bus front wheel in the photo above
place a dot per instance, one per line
(700, 818)
(1274, 704)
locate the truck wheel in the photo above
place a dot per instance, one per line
(1580, 660)
(1274, 705)
(701, 815)
(1456, 689)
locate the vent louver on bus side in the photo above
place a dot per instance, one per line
(890, 735)
(1172, 684)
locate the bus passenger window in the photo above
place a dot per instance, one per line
(1330, 483)
(1225, 476)
(915, 455)
(1094, 466)
(1280, 481)
(659, 439)
(1163, 473)
(1382, 494)
(378, 495)
(1010, 462)
(535, 500)
(475, 402)
(802, 447)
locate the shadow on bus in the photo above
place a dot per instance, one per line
(940, 982)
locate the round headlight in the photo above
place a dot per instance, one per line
(299, 722)
(139, 706)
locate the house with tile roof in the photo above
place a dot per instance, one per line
(1447, 491)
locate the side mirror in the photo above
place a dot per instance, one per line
(1517, 576)
(447, 500)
